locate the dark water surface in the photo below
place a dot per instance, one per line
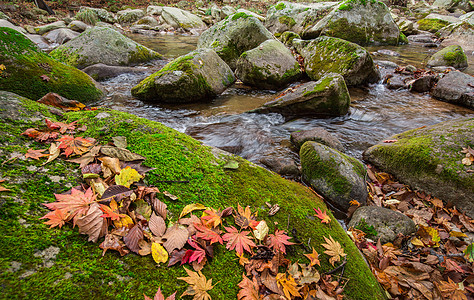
(375, 114)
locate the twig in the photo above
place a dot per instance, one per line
(309, 240)
(288, 223)
(341, 266)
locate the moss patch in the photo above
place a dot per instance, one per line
(431, 25)
(79, 270)
(289, 21)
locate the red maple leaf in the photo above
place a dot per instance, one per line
(238, 240)
(159, 296)
(193, 255)
(63, 127)
(56, 218)
(36, 154)
(74, 205)
(207, 234)
(40, 136)
(278, 241)
(322, 215)
(211, 218)
(76, 145)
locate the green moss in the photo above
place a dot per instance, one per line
(369, 230)
(280, 6)
(215, 44)
(431, 25)
(67, 56)
(88, 16)
(25, 65)
(402, 40)
(287, 37)
(142, 54)
(289, 21)
(80, 271)
(240, 15)
(321, 86)
(454, 56)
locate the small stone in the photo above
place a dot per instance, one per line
(14, 266)
(32, 168)
(102, 115)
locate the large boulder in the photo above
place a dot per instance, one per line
(434, 22)
(288, 16)
(429, 159)
(269, 66)
(102, 71)
(387, 223)
(327, 97)
(359, 21)
(332, 55)
(452, 5)
(318, 134)
(233, 36)
(451, 56)
(457, 88)
(30, 250)
(92, 15)
(61, 35)
(197, 76)
(337, 177)
(129, 16)
(102, 45)
(78, 26)
(179, 18)
(461, 34)
(31, 73)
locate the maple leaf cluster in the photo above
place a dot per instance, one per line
(436, 262)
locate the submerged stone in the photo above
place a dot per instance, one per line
(197, 76)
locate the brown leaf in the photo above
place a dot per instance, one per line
(334, 250)
(248, 289)
(117, 192)
(86, 158)
(198, 285)
(53, 99)
(110, 166)
(176, 257)
(159, 207)
(113, 242)
(133, 237)
(76, 145)
(92, 223)
(36, 154)
(269, 281)
(176, 237)
(145, 247)
(157, 225)
(120, 153)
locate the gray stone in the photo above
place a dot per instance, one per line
(386, 64)
(452, 56)
(154, 10)
(102, 71)
(455, 87)
(102, 45)
(452, 5)
(179, 18)
(269, 66)
(388, 223)
(395, 83)
(429, 159)
(5, 23)
(198, 76)
(48, 27)
(461, 34)
(406, 26)
(325, 55)
(287, 38)
(233, 36)
(422, 84)
(148, 20)
(251, 13)
(327, 97)
(337, 177)
(283, 166)
(320, 135)
(92, 15)
(422, 38)
(129, 16)
(78, 26)
(361, 22)
(288, 16)
(40, 41)
(61, 35)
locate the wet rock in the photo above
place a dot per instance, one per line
(129, 16)
(179, 18)
(452, 56)
(102, 45)
(325, 55)
(388, 52)
(360, 22)
(396, 82)
(61, 35)
(40, 41)
(455, 87)
(386, 222)
(452, 5)
(422, 38)
(320, 135)
(269, 66)
(233, 36)
(282, 166)
(78, 26)
(337, 177)
(102, 71)
(429, 159)
(327, 97)
(288, 16)
(48, 27)
(422, 84)
(31, 73)
(198, 76)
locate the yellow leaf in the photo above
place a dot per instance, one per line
(334, 250)
(127, 176)
(457, 234)
(159, 253)
(261, 230)
(289, 285)
(191, 207)
(2, 67)
(124, 221)
(433, 232)
(417, 242)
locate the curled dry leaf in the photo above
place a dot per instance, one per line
(191, 207)
(36, 154)
(176, 237)
(113, 242)
(92, 224)
(157, 225)
(248, 289)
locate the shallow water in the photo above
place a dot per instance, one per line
(376, 113)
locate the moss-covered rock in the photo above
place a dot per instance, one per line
(429, 159)
(79, 271)
(453, 5)
(31, 73)
(332, 55)
(49, 27)
(452, 56)
(337, 177)
(364, 22)
(179, 18)
(92, 15)
(287, 38)
(102, 45)
(288, 16)
(327, 97)
(129, 16)
(431, 25)
(461, 34)
(197, 76)
(233, 36)
(269, 66)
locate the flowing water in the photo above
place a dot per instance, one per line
(375, 114)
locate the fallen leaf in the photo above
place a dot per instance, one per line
(261, 230)
(110, 166)
(191, 207)
(170, 196)
(196, 255)
(176, 237)
(157, 225)
(53, 99)
(245, 218)
(198, 285)
(334, 250)
(159, 253)
(54, 152)
(56, 218)
(288, 285)
(322, 215)
(159, 296)
(120, 153)
(313, 258)
(113, 242)
(120, 141)
(207, 234)
(45, 78)
(231, 165)
(127, 176)
(469, 252)
(36, 154)
(92, 224)
(211, 218)
(76, 145)
(278, 241)
(239, 241)
(74, 204)
(132, 238)
(87, 158)
(248, 289)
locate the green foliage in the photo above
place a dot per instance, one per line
(369, 230)
(280, 6)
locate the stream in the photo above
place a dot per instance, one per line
(376, 112)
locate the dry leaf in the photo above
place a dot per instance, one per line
(159, 253)
(92, 224)
(157, 225)
(191, 207)
(176, 237)
(334, 250)
(198, 285)
(127, 176)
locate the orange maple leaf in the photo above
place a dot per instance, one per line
(322, 215)
(210, 218)
(56, 218)
(239, 241)
(74, 205)
(314, 258)
(74, 145)
(36, 154)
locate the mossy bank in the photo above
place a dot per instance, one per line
(79, 271)
(31, 73)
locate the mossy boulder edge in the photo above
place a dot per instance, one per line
(78, 270)
(31, 73)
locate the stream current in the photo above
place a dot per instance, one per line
(376, 112)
